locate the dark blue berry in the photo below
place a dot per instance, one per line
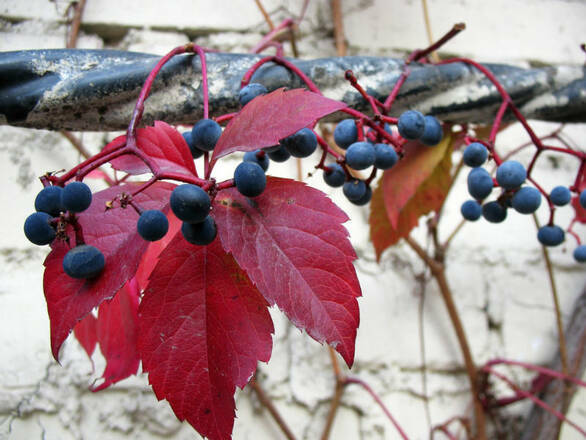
(364, 199)
(360, 155)
(251, 91)
(550, 235)
(190, 203)
(38, 229)
(526, 200)
(385, 156)
(152, 225)
(479, 183)
(580, 253)
(202, 233)
(205, 134)
(510, 174)
(301, 144)
(411, 125)
(345, 133)
(253, 156)
(494, 212)
(471, 210)
(560, 195)
(583, 199)
(334, 175)
(49, 200)
(475, 154)
(195, 152)
(433, 132)
(76, 197)
(279, 155)
(250, 179)
(83, 261)
(354, 189)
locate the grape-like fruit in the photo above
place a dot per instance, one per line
(471, 210)
(76, 197)
(279, 155)
(560, 195)
(38, 230)
(301, 144)
(550, 235)
(195, 152)
(526, 200)
(152, 225)
(190, 203)
(83, 261)
(334, 175)
(432, 133)
(364, 199)
(205, 134)
(475, 154)
(511, 174)
(250, 179)
(479, 183)
(354, 189)
(251, 91)
(345, 133)
(580, 253)
(202, 233)
(253, 156)
(49, 200)
(360, 155)
(411, 124)
(494, 212)
(385, 156)
(583, 199)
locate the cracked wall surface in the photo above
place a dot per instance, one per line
(496, 272)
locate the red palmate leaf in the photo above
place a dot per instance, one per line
(580, 212)
(163, 144)
(269, 118)
(86, 333)
(292, 245)
(114, 233)
(202, 328)
(415, 186)
(117, 328)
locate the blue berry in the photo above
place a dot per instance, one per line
(580, 253)
(205, 134)
(202, 233)
(411, 125)
(560, 195)
(301, 144)
(345, 133)
(354, 189)
(49, 200)
(76, 197)
(38, 230)
(279, 155)
(510, 174)
(152, 225)
(471, 210)
(190, 203)
(479, 183)
(360, 155)
(432, 133)
(475, 154)
(385, 156)
(526, 200)
(334, 175)
(195, 152)
(494, 212)
(550, 235)
(251, 91)
(364, 199)
(583, 199)
(250, 179)
(83, 261)
(253, 156)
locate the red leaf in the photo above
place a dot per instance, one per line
(292, 245)
(580, 212)
(203, 327)
(85, 332)
(114, 233)
(117, 334)
(269, 118)
(163, 144)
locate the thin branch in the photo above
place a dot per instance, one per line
(268, 404)
(339, 36)
(78, 8)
